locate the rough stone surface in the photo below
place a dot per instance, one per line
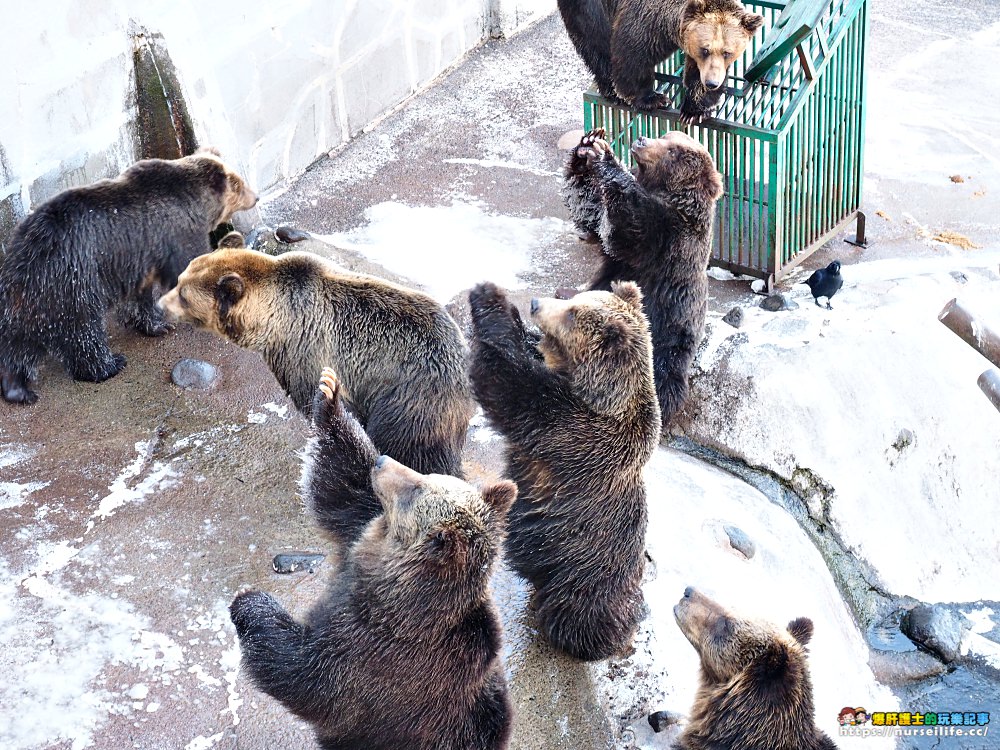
(194, 374)
(777, 302)
(740, 541)
(734, 317)
(936, 628)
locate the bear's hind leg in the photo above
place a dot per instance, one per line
(18, 368)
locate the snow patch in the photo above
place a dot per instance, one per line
(448, 249)
(120, 493)
(13, 494)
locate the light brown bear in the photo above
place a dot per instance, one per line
(578, 411)
(622, 41)
(400, 356)
(755, 692)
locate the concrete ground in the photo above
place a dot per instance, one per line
(132, 511)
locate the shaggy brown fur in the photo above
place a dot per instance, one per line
(622, 41)
(656, 229)
(400, 356)
(107, 245)
(578, 410)
(755, 692)
(403, 651)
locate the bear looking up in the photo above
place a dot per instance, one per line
(578, 411)
(622, 42)
(403, 651)
(656, 230)
(105, 245)
(755, 692)
(400, 356)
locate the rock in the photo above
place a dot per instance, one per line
(936, 628)
(290, 235)
(293, 562)
(660, 720)
(901, 668)
(960, 277)
(776, 302)
(194, 373)
(740, 541)
(734, 317)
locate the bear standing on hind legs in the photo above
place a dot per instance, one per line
(403, 650)
(622, 42)
(105, 245)
(578, 411)
(656, 229)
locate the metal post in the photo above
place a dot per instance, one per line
(972, 331)
(989, 382)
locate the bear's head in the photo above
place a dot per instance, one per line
(714, 33)
(677, 164)
(754, 675)
(223, 291)
(231, 190)
(601, 342)
(437, 531)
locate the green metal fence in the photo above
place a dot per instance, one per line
(788, 136)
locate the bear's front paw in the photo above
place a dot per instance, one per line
(691, 118)
(98, 373)
(651, 101)
(487, 299)
(328, 404)
(252, 609)
(592, 147)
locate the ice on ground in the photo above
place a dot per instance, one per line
(448, 249)
(120, 493)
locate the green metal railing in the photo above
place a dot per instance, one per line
(788, 137)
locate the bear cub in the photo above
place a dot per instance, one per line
(578, 410)
(400, 357)
(754, 691)
(105, 245)
(622, 42)
(403, 651)
(655, 227)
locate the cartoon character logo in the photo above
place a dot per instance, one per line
(846, 716)
(860, 715)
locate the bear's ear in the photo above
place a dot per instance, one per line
(696, 6)
(712, 184)
(801, 629)
(232, 240)
(500, 497)
(751, 22)
(628, 291)
(228, 291)
(209, 150)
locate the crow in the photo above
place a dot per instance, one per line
(825, 282)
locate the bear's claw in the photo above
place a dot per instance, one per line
(329, 384)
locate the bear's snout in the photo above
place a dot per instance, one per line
(689, 592)
(535, 304)
(712, 85)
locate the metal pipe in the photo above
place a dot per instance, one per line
(989, 382)
(964, 324)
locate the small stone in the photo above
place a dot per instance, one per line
(776, 302)
(660, 720)
(957, 178)
(290, 235)
(734, 317)
(936, 628)
(758, 285)
(194, 373)
(740, 542)
(960, 277)
(262, 239)
(293, 562)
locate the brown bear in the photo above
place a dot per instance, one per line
(105, 245)
(400, 356)
(755, 692)
(622, 41)
(655, 228)
(403, 650)
(578, 410)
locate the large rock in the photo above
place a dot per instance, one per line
(935, 628)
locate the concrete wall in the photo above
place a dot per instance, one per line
(273, 85)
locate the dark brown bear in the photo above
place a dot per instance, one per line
(105, 245)
(656, 229)
(400, 356)
(622, 41)
(403, 651)
(755, 692)
(578, 411)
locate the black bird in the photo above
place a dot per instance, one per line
(825, 282)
